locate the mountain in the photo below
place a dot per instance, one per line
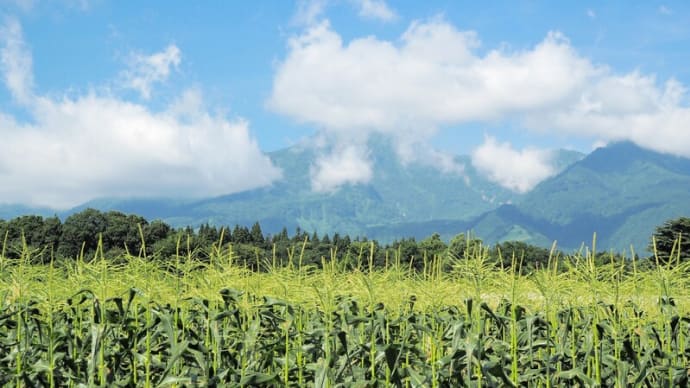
(401, 200)
(621, 192)
(8, 211)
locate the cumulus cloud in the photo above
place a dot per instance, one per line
(408, 89)
(631, 107)
(77, 148)
(434, 76)
(375, 9)
(430, 77)
(517, 170)
(146, 70)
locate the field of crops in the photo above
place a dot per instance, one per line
(134, 321)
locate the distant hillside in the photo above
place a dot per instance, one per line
(400, 201)
(8, 211)
(621, 192)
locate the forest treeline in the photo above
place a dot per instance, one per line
(113, 234)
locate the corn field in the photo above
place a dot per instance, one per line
(139, 322)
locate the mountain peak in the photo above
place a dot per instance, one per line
(621, 192)
(620, 156)
(613, 156)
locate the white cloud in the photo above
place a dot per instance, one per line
(631, 107)
(16, 62)
(434, 76)
(429, 78)
(309, 11)
(407, 89)
(347, 165)
(78, 148)
(375, 9)
(421, 152)
(146, 70)
(518, 170)
(591, 14)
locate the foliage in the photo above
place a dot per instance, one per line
(116, 234)
(672, 240)
(152, 321)
(528, 256)
(251, 340)
(463, 244)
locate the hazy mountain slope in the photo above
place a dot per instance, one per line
(621, 192)
(397, 194)
(8, 211)
(401, 200)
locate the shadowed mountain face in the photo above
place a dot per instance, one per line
(621, 192)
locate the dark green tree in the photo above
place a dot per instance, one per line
(84, 228)
(156, 231)
(241, 235)
(52, 231)
(464, 245)
(407, 250)
(31, 227)
(672, 239)
(122, 232)
(21, 230)
(256, 236)
(433, 246)
(282, 236)
(208, 235)
(528, 256)
(3, 232)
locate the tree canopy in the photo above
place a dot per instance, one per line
(671, 240)
(115, 233)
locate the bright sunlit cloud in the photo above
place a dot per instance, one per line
(349, 164)
(518, 170)
(433, 76)
(98, 145)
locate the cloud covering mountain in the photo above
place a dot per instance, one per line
(436, 75)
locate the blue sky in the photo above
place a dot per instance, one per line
(161, 98)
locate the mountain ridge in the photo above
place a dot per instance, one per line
(621, 192)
